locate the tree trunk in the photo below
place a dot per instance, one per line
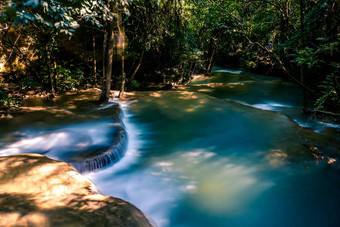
(121, 48)
(211, 54)
(55, 74)
(104, 56)
(304, 91)
(94, 61)
(15, 43)
(132, 76)
(122, 88)
(192, 69)
(302, 67)
(211, 60)
(107, 62)
(49, 70)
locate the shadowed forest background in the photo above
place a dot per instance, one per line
(54, 46)
(253, 138)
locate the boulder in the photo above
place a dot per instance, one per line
(38, 191)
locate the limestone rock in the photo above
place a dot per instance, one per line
(38, 191)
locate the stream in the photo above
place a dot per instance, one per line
(232, 149)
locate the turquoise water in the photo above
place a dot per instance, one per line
(211, 155)
(228, 150)
(86, 136)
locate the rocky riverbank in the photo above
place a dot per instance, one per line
(38, 191)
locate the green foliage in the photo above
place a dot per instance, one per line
(250, 64)
(11, 13)
(135, 84)
(7, 101)
(69, 79)
(308, 57)
(59, 15)
(171, 40)
(329, 98)
(4, 99)
(28, 84)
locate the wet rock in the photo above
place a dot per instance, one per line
(30, 93)
(38, 191)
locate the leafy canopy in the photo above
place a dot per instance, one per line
(60, 15)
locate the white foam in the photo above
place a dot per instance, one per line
(72, 137)
(270, 105)
(228, 71)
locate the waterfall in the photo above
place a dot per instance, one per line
(109, 157)
(99, 142)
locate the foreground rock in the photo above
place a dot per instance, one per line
(38, 191)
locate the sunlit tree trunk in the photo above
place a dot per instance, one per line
(55, 74)
(15, 43)
(108, 59)
(121, 42)
(104, 56)
(108, 62)
(122, 87)
(50, 77)
(94, 60)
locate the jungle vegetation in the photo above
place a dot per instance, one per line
(52, 46)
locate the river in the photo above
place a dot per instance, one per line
(230, 150)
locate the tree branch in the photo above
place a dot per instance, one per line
(5, 28)
(15, 43)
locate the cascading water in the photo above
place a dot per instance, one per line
(98, 142)
(214, 161)
(262, 92)
(222, 152)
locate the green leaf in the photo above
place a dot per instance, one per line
(58, 24)
(33, 3)
(11, 13)
(74, 25)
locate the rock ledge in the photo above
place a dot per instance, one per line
(38, 191)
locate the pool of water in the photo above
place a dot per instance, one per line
(262, 92)
(198, 160)
(228, 150)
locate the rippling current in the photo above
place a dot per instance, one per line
(229, 150)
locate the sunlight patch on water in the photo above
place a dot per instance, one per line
(217, 185)
(154, 194)
(164, 164)
(276, 157)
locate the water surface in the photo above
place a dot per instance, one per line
(228, 150)
(204, 160)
